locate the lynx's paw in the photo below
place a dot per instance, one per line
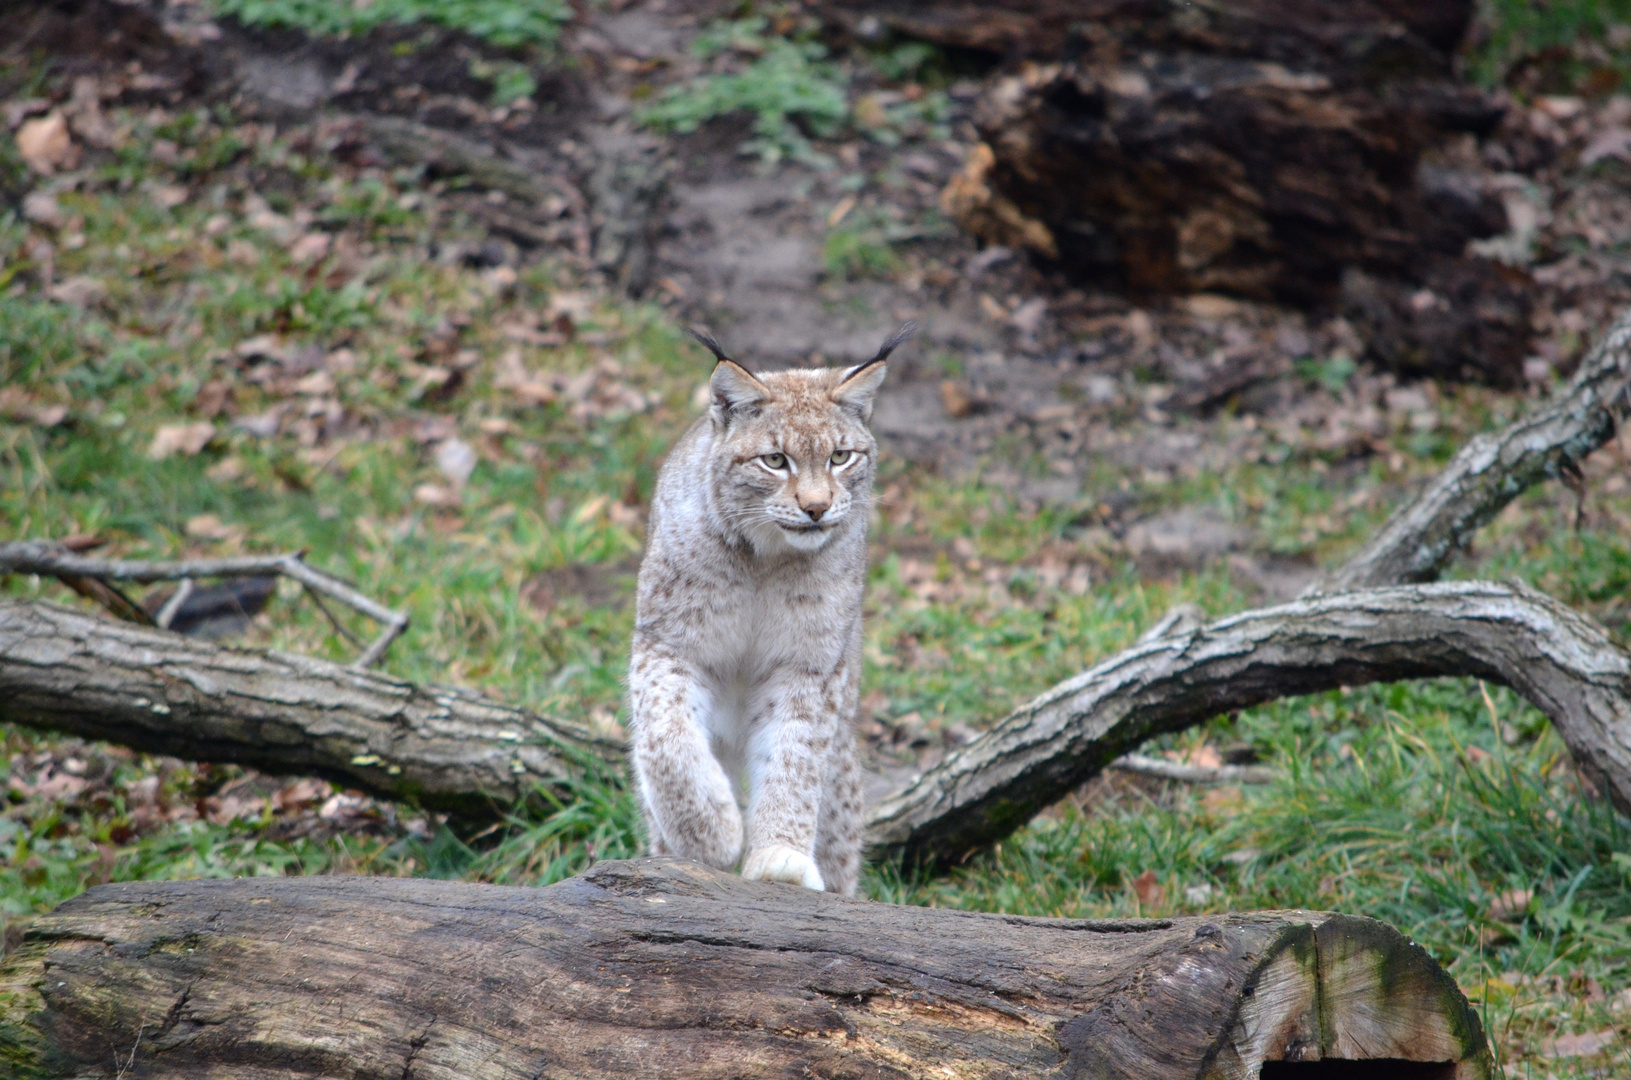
(781, 863)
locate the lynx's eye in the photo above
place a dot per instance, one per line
(774, 461)
(839, 457)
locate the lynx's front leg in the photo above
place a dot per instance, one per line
(689, 807)
(788, 760)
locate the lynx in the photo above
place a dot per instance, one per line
(746, 660)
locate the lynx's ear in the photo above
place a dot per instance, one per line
(861, 382)
(734, 391)
(732, 387)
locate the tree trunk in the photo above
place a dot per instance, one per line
(1561, 661)
(162, 693)
(663, 968)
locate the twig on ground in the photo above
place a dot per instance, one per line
(171, 606)
(56, 560)
(1195, 774)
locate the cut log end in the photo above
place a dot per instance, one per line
(662, 968)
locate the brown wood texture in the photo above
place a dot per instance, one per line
(162, 693)
(663, 968)
(1558, 659)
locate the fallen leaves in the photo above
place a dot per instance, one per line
(1149, 890)
(22, 407)
(45, 145)
(1584, 1044)
(188, 439)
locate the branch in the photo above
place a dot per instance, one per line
(1559, 660)
(54, 560)
(1495, 468)
(1194, 774)
(162, 693)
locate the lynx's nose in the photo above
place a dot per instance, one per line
(814, 509)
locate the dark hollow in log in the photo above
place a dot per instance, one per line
(1559, 660)
(162, 693)
(664, 968)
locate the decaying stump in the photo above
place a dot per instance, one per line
(663, 968)
(1267, 148)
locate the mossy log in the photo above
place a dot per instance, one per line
(664, 968)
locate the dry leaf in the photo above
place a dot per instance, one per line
(1148, 889)
(42, 208)
(301, 793)
(170, 196)
(1512, 904)
(44, 143)
(436, 495)
(80, 291)
(210, 527)
(1584, 1044)
(311, 247)
(317, 384)
(456, 460)
(188, 439)
(226, 470)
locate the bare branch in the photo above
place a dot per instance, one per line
(1557, 658)
(1195, 774)
(167, 613)
(54, 560)
(1495, 468)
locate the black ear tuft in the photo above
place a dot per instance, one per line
(708, 342)
(906, 333)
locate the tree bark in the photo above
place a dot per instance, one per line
(664, 968)
(162, 693)
(1495, 468)
(1559, 660)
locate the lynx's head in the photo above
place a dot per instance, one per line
(792, 455)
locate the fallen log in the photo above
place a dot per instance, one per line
(1558, 659)
(161, 693)
(664, 968)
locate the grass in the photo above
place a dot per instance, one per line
(788, 86)
(505, 23)
(1557, 46)
(1423, 804)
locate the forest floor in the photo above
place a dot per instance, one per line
(233, 319)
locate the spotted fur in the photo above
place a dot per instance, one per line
(746, 661)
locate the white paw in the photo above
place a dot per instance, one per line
(781, 863)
